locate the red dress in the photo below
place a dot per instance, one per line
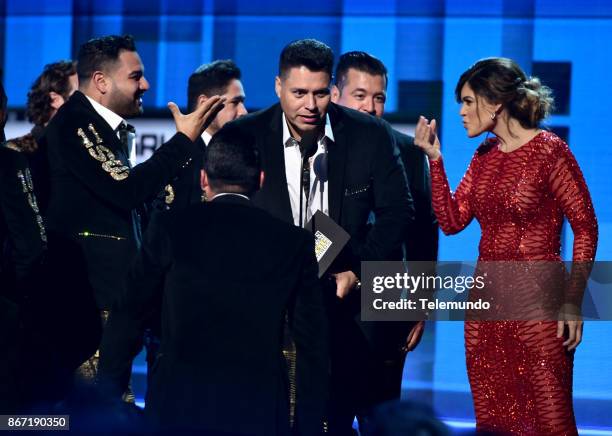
(519, 372)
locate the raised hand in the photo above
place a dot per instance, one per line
(193, 124)
(426, 138)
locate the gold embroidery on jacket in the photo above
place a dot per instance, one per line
(169, 190)
(93, 130)
(25, 177)
(104, 155)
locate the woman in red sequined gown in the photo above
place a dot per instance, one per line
(519, 186)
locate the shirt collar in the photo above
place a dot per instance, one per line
(328, 133)
(108, 115)
(206, 137)
(222, 194)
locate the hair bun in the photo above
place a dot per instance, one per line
(535, 99)
(533, 83)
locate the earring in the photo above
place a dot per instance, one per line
(493, 115)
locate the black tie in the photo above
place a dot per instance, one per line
(124, 130)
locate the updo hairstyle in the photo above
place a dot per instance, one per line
(501, 80)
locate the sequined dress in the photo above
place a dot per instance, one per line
(519, 372)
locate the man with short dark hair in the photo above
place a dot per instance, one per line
(358, 172)
(95, 193)
(361, 84)
(227, 272)
(221, 77)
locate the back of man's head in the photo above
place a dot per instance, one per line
(360, 61)
(309, 53)
(232, 163)
(54, 78)
(100, 54)
(211, 79)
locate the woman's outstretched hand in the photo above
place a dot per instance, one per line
(426, 138)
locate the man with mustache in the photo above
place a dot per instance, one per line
(95, 193)
(363, 175)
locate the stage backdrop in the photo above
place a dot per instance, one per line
(425, 45)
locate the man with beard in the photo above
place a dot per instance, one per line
(95, 193)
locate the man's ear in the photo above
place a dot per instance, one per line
(203, 180)
(100, 81)
(335, 94)
(56, 100)
(201, 99)
(277, 86)
(262, 177)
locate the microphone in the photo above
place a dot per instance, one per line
(308, 147)
(320, 167)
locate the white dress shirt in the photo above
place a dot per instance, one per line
(206, 137)
(293, 170)
(114, 121)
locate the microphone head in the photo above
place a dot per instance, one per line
(308, 144)
(320, 167)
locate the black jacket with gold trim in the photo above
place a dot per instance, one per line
(22, 235)
(94, 191)
(185, 189)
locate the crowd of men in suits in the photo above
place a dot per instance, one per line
(198, 251)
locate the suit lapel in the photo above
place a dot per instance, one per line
(276, 192)
(336, 164)
(104, 129)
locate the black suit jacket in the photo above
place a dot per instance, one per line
(56, 314)
(185, 189)
(421, 242)
(231, 272)
(365, 175)
(22, 235)
(94, 192)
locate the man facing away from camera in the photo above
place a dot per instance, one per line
(225, 273)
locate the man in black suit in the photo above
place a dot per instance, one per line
(354, 171)
(221, 77)
(361, 84)
(225, 273)
(95, 194)
(94, 191)
(41, 346)
(48, 93)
